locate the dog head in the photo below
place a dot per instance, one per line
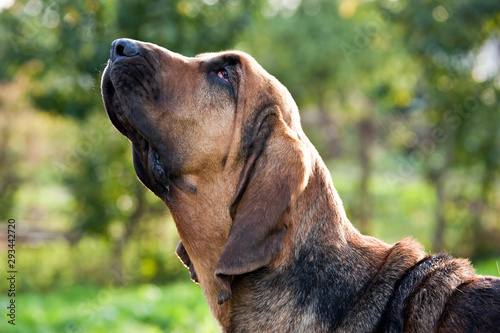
(217, 118)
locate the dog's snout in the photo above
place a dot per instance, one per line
(123, 47)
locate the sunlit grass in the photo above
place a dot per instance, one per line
(178, 307)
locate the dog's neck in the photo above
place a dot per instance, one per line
(322, 239)
(203, 222)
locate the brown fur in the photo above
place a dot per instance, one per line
(262, 228)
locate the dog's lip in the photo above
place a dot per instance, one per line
(117, 116)
(157, 170)
(151, 164)
(109, 94)
(147, 152)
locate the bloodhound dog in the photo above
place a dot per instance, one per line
(262, 228)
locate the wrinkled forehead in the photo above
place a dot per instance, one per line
(227, 54)
(232, 58)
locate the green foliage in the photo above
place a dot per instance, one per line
(10, 181)
(460, 103)
(60, 265)
(68, 42)
(103, 184)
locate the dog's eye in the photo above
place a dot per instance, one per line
(223, 74)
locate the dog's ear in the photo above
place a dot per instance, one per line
(184, 257)
(273, 175)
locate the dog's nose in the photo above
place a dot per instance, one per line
(123, 47)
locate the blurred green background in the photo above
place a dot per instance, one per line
(400, 97)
